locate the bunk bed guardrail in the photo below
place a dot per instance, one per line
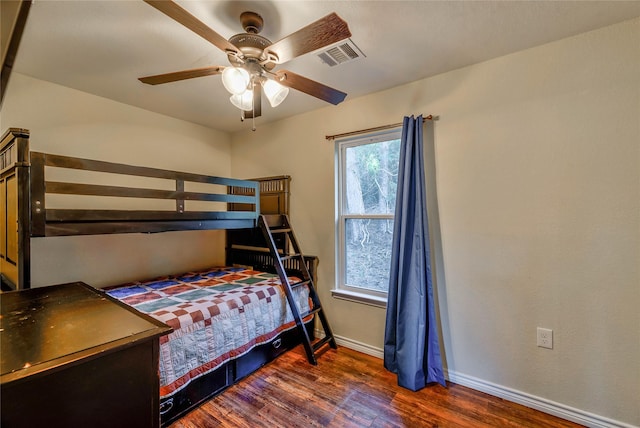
(62, 222)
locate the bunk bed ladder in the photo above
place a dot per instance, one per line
(277, 225)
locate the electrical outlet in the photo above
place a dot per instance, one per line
(545, 338)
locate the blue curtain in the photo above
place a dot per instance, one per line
(411, 342)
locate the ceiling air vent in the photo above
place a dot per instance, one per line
(340, 53)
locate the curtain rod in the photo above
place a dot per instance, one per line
(378, 128)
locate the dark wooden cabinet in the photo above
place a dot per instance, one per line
(71, 356)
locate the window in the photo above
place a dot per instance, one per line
(367, 172)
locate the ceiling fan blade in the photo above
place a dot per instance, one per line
(181, 75)
(310, 87)
(323, 32)
(177, 13)
(257, 102)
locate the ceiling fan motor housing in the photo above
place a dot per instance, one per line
(252, 47)
(250, 43)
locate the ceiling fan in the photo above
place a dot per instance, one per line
(254, 57)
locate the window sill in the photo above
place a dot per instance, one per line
(379, 302)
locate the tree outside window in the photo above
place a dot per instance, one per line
(368, 173)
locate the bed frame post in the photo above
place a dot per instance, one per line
(180, 201)
(15, 251)
(37, 194)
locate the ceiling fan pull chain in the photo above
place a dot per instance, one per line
(253, 116)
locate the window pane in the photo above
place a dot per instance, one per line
(368, 253)
(371, 178)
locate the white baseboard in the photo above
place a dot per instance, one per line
(353, 344)
(534, 402)
(528, 400)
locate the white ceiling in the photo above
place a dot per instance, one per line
(102, 47)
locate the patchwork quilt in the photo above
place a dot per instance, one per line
(217, 315)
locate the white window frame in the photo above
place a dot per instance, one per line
(343, 290)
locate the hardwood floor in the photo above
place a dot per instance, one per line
(351, 389)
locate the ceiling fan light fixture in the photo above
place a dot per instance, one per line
(275, 92)
(235, 80)
(243, 101)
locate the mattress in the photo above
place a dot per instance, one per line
(217, 315)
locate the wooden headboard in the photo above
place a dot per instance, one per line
(274, 195)
(244, 245)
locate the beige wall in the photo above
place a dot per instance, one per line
(69, 122)
(537, 158)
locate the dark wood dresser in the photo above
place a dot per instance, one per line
(71, 356)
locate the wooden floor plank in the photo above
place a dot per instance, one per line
(351, 389)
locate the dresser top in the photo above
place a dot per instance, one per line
(45, 328)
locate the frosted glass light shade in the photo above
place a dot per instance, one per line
(243, 101)
(275, 92)
(235, 80)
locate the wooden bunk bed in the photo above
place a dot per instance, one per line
(252, 212)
